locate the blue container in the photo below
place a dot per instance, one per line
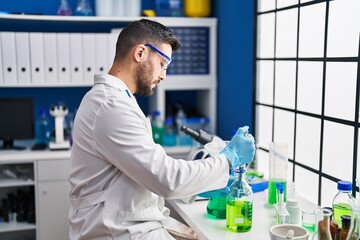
(169, 8)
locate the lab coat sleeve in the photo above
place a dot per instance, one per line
(122, 138)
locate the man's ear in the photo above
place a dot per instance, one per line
(140, 53)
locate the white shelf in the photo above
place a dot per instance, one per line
(6, 182)
(171, 21)
(11, 227)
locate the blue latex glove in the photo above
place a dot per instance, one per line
(222, 192)
(241, 148)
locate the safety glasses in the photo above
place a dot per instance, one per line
(166, 57)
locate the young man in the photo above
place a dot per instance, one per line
(119, 176)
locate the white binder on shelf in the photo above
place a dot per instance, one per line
(88, 44)
(76, 54)
(112, 39)
(23, 57)
(9, 57)
(63, 53)
(101, 53)
(50, 57)
(37, 57)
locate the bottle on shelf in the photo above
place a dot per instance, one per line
(342, 200)
(180, 119)
(42, 128)
(84, 8)
(169, 138)
(64, 9)
(239, 203)
(157, 127)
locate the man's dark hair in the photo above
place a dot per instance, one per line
(144, 31)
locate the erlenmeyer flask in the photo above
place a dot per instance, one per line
(83, 9)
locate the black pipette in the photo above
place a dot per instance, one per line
(198, 135)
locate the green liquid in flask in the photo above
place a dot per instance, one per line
(339, 210)
(239, 215)
(216, 208)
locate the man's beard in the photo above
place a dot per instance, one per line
(144, 74)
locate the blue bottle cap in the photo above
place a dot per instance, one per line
(344, 185)
(156, 113)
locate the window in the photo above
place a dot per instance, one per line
(308, 91)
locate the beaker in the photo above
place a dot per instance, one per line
(216, 207)
(278, 161)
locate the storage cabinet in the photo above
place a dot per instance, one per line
(17, 200)
(52, 195)
(42, 176)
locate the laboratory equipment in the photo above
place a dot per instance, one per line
(59, 112)
(292, 206)
(342, 200)
(64, 9)
(83, 8)
(216, 207)
(198, 135)
(16, 121)
(288, 231)
(239, 203)
(278, 161)
(309, 220)
(342, 233)
(169, 138)
(157, 127)
(324, 225)
(42, 128)
(172, 8)
(354, 231)
(282, 214)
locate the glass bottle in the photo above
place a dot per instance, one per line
(342, 200)
(64, 9)
(157, 128)
(324, 226)
(169, 138)
(42, 128)
(239, 203)
(83, 8)
(344, 230)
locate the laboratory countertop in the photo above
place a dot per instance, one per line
(31, 155)
(195, 216)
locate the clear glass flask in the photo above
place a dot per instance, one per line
(64, 9)
(239, 203)
(84, 8)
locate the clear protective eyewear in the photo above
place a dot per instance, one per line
(166, 57)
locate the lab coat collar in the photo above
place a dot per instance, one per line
(113, 81)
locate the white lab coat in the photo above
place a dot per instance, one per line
(119, 177)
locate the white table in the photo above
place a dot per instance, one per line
(263, 218)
